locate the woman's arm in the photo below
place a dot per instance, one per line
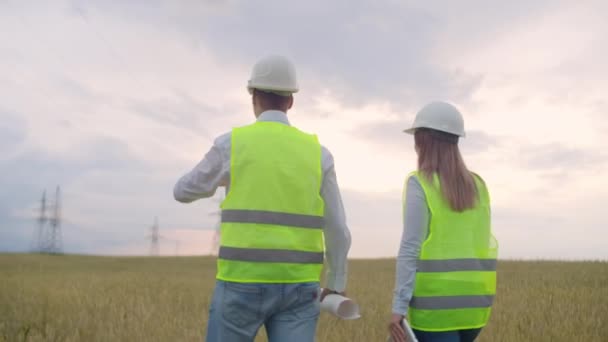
(416, 217)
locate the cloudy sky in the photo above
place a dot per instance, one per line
(115, 100)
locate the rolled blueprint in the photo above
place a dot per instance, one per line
(340, 306)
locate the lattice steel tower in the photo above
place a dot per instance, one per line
(49, 229)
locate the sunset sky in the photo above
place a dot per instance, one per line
(115, 100)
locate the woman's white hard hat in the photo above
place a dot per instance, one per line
(440, 116)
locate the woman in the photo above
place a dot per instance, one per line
(446, 268)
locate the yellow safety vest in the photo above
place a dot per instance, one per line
(272, 217)
(456, 272)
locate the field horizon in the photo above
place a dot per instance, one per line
(145, 256)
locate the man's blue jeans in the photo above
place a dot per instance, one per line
(288, 311)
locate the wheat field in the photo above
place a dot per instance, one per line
(86, 298)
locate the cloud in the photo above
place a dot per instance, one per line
(362, 51)
(76, 89)
(109, 198)
(25, 175)
(382, 51)
(563, 236)
(557, 157)
(375, 222)
(182, 111)
(13, 132)
(115, 100)
(388, 134)
(477, 141)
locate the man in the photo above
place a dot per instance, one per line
(283, 206)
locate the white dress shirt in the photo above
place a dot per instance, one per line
(416, 218)
(214, 171)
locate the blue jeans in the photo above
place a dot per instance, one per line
(468, 335)
(288, 311)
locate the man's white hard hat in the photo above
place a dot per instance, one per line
(274, 74)
(440, 116)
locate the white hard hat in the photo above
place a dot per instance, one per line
(440, 116)
(274, 74)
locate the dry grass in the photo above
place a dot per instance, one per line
(81, 298)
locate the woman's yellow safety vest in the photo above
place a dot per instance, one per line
(272, 217)
(456, 272)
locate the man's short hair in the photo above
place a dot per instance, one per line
(273, 101)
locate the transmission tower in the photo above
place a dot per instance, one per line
(37, 240)
(49, 229)
(154, 237)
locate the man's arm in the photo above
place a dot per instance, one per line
(205, 178)
(337, 235)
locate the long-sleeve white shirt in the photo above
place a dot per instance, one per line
(214, 171)
(416, 218)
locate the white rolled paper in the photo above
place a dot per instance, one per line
(340, 306)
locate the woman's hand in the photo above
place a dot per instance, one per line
(396, 330)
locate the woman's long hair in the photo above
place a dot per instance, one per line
(438, 153)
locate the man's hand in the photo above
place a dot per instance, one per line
(326, 291)
(396, 330)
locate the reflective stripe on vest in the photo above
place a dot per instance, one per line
(270, 255)
(456, 265)
(451, 302)
(456, 271)
(269, 217)
(272, 217)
